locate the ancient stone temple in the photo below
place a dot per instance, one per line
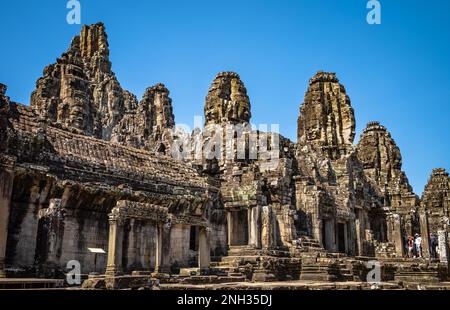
(86, 165)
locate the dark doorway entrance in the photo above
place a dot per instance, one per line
(239, 227)
(341, 237)
(193, 238)
(324, 234)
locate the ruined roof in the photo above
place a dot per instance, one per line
(96, 155)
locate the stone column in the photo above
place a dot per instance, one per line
(408, 225)
(162, 262)
(395, 227)
(51, 222)
(229, 227)
(254, 229)
(316, 226)
(330, 234)
(351, 236)
(346, 238)
(257, 225)
(266, 228)
(249, 227)
(317, 232)
(114, 265)
(158, 248)
(443, 246)
(359, 229)
(423, 218)
(6, 184)
(204, 248)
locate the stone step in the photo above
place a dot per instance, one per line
(240, 260)
(30, 283)
(229, 269)
(213, 279)
(316, 268)
(235, 274)
(242, 250)
(219, 264)
(308, 241)
(317, 271)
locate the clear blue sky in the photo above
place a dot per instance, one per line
(396, 72)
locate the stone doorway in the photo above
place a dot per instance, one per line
(328, 234)
(341, 227)
(193, 238)
(238, 228)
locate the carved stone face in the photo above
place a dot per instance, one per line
(227, 100)
(78, 116)
(326, 116)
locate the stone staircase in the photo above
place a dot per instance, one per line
(308, 244)
(318, 267)
(248, 262)
(238, 260)
(345, 271)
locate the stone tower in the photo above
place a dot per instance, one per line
(227, 100)
(80, 92)
(382, 160)
(326, 117)
(150, 123)
(436, 200)
(156, 99)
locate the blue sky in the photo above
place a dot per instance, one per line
(396, 72)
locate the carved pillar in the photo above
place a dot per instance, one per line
(351, 235)
(51, 232)
(443, 246)
(423, 218)
(254, 227)
(162, 262)
(250, 229)
(317, 226)
(6, 184)
(395, 227)
(287, 227)
(266, 227)
(158, 250)
(204, 250)
(257, 225)
(229, 227)
(330, 238)
(317, 233)
(359, 230)
(408, 225)
(114, 265)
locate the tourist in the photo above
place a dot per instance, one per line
(405, 244)
(418, 243)
(410, 245)
(434, 245)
